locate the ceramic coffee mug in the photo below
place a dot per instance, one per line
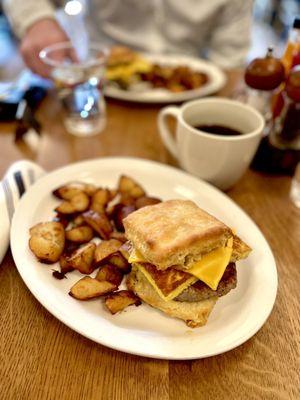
(218, 159)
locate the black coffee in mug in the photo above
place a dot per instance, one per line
(221, 130)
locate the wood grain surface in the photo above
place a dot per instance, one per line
(40, 358)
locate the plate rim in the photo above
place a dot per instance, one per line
(136, 97)
(123, 347)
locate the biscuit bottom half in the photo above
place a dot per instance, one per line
(194, 314)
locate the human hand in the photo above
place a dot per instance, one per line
(43, 33)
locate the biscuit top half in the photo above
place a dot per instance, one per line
(174, 233)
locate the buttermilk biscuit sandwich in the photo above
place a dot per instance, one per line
(183, 259)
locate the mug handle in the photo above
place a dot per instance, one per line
(164, 131)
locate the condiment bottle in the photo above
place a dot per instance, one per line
(292, 50)
(263, 76)
(286, 132)
(279, 152)
(290, 58)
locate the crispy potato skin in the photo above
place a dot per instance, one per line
(110, 273)
(82, 259)
(47, 241)
(64, 264)
(118, 236)
(78, 203)
(118, 301)
(128, 186)
(119, 261)
(146, 201)
(99, 222)
(105, 249)
(120, 212)
(66, 192)
(100, 200)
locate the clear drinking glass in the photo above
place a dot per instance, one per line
(78, 79)
(295, 187)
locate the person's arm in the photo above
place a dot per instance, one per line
(230, 39)
(34, 22)
(24, 13)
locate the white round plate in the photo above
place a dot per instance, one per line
(216, 80)
(144, 330)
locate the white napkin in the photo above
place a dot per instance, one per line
(15, 182)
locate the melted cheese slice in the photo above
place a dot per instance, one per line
(209, 269)
(136, 257)
(176, 292)
(125, 72)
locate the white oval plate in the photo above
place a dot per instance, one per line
(216, 80)
(144, 330)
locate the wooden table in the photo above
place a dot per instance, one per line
(40, 358)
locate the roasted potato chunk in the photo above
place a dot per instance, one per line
(64, 264)
(82, 259)
(118, 236)
(78, 221)
(119, 261)
(99, 222)
(118, 301)
(89, 288)
(119, 213)
(78, 203)
(127, 200)
(80, 234)
(110, 273)
(146, 201)
(66, 192)
(100, 200)
(89, 189)
(127, 186)
(47, 241)
(112, 194)
(105, 249)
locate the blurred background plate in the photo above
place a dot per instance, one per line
(216, 80)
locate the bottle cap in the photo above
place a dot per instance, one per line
(296, 24)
